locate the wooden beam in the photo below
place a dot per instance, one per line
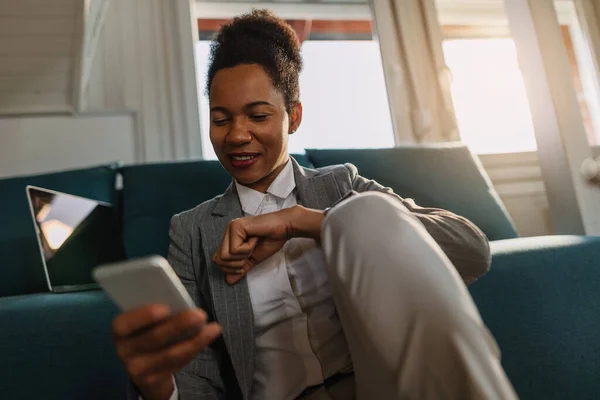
(559, 128)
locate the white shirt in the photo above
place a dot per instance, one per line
(299, 337)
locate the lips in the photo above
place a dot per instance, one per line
(243, 160)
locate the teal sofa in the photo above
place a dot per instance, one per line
(540, 298)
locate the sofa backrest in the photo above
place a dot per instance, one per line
(21, 265)
(153, 193)
(443, 176)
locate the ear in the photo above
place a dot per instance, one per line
(295, 117)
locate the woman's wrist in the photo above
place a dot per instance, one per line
(162, 390)
(306, 222)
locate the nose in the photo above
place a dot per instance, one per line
(239, 134)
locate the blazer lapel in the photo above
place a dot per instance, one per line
(232, 304)
(316, 190)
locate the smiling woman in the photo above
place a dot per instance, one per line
(258, 57)
(258, 113)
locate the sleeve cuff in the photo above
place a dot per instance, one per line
(174, 395)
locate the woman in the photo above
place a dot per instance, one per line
(295, 314)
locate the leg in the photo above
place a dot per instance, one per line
(412, 327)
(344, 389)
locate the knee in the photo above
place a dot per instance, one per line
(368, 212)
(370, 221)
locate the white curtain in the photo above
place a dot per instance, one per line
(145, 64)
(417, 78)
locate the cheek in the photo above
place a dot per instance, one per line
(273, 133)
(271, 136)
(216, 137)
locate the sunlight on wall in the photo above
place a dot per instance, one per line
(489, 95)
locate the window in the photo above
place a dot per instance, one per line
(583, 71)
(489, 95)
(342, 85)
(487, 86)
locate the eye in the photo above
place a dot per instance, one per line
(259, 117)
(220, 121)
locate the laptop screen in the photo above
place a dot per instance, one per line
(75, 234)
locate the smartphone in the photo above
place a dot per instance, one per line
(143, 281)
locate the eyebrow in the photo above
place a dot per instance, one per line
(246, 107)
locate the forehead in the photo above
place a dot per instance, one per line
(243, 84)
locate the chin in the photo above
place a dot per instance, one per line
(247, 177)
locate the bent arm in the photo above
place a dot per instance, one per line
(462, 242)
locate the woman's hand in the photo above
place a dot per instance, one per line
(250, 240)
(153, 345)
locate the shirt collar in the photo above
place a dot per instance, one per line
(281, 187)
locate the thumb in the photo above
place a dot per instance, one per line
(233, 278)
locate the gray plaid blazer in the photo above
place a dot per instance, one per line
(225, 369)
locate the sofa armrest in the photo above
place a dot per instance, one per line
(59, 346)
(541, 301)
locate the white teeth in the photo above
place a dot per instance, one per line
(242, 158)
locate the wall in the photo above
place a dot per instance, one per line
(518, 179)
(36, 48)
(50, 143)
(141, 92)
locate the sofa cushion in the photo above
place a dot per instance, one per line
(59, 346)
(153, 193)
(540, 300)
(442, 176)
(22, 268)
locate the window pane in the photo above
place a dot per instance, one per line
(583, 71)
(489, 95)
(342, 86)
(344, 97)
(487, 86)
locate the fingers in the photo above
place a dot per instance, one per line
(181, 326)
(153, 346)
(229, 267)
(236, 244)
(223, 250)
(170, 360)
(240, 245)
(232, 279)
(136, 320)
(223, 256)
(232, 260)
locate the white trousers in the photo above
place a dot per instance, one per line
(411, 325)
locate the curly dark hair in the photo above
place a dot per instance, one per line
(259, 37)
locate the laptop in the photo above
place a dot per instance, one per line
(74, 235)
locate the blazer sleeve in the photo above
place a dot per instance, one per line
(462, 242)
(200, 379)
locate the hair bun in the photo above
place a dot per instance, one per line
(259, 37)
